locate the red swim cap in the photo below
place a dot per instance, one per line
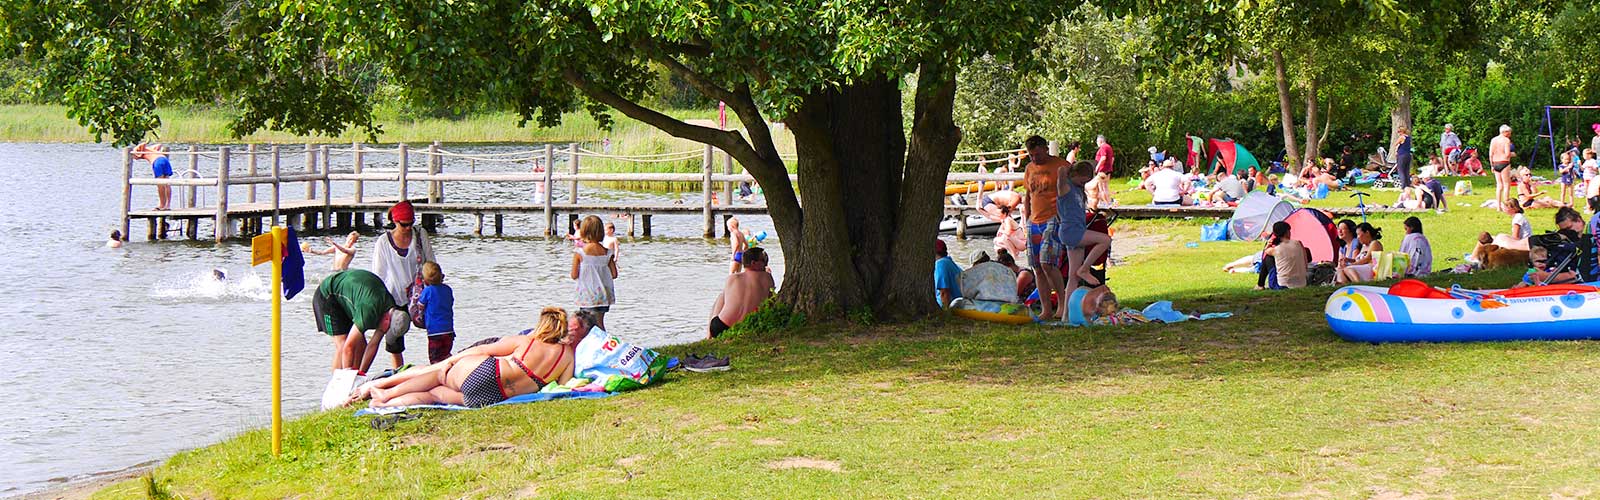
(402, 212)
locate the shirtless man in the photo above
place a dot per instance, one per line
(999, 205)
(1500, 156)
(736, 244)
(743, 293)
(342, 254)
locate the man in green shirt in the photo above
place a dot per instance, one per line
(350, 303)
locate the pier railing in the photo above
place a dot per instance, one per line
(270, 165)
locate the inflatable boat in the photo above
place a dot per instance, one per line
(977, 225)
(970, 187)
(1413, 311)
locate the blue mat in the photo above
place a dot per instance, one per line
(525, 398)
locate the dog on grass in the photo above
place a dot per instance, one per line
(1493, 256)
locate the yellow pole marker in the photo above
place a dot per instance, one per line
(263, 248)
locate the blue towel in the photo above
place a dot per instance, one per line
(1162, 311)
(525, 398)
(294, 267)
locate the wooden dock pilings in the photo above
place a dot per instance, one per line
(319, 209)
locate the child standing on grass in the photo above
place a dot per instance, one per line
(594, 268)
(1591, 174)
(438, 303)
(1567, 172)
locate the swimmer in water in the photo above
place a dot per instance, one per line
(116, 239)
(342, 254)
(219, 275)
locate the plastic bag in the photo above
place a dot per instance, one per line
(1214, 232)
(622, 365)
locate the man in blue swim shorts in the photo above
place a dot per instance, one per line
(160, 167)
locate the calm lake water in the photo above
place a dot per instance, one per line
(121, 357)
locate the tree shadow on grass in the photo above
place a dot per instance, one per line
(1272, 334)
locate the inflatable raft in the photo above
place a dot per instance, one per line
(970, 187)
(1413, 311)
(1015, 318)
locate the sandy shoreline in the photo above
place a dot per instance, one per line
(83, 488)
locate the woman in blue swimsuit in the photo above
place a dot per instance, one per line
(487, 374)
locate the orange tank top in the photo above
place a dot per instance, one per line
(1041, 181)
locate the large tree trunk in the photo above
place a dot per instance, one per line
(1313, 140)
(1399, 115)
(1292, 157)
(865, 239)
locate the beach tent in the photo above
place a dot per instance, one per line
(1229, 156)
(1314, 229)
(1253, 218)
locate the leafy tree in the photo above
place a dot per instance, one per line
(831, 71)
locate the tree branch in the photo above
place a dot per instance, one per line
(729, 141)
(741, 100)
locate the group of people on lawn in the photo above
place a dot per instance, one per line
(404, 286)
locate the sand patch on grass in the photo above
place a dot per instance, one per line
(805, 463)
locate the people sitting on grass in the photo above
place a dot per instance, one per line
(487, 374)
(1228, 190)
(1361, 268)
(1416, 246)
(1471, 165)
(1530, 196)
(1166, 185)
(1284, 261)
(946, 275)
(1025, 286)
(1583, 266)
(1413, 196)
(1436, 188)
(1521, 229)
(742, 293)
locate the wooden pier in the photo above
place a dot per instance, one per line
(537, 170)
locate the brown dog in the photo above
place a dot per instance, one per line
(1494, 257)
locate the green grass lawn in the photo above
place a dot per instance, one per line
(1268, 403)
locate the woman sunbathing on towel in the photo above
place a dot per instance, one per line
(487, 374)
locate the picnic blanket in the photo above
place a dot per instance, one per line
(524, 398)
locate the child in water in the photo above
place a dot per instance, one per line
(438, 303)
(342, 254)
(116, 239)
(594, 268)
(736, 244)
(611, 243)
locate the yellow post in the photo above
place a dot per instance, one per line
(278, 235)
(262, 248)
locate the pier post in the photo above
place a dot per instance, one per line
(477, 230)
(250, 164)
(127, 191)
(1055, 148)
(360, 184)
(572, 161)
(405, 157)
(435, 188)
(727, 186)
(311, 168)
(961, 225)
(221, 227)
(705, 190)
(549, 212)
(499, 224)
(631, 219)
(277, 184)
(327, 191)
(645, 220)
(194, 166)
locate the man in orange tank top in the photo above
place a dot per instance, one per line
(1039, 210)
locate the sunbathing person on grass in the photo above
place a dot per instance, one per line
(485, 375)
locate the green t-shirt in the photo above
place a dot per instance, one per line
(361, 294)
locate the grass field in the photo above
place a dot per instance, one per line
(1268, 403)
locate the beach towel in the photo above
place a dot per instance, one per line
(1162, 311)
(525, 398)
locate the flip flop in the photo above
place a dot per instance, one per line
(387, 422)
